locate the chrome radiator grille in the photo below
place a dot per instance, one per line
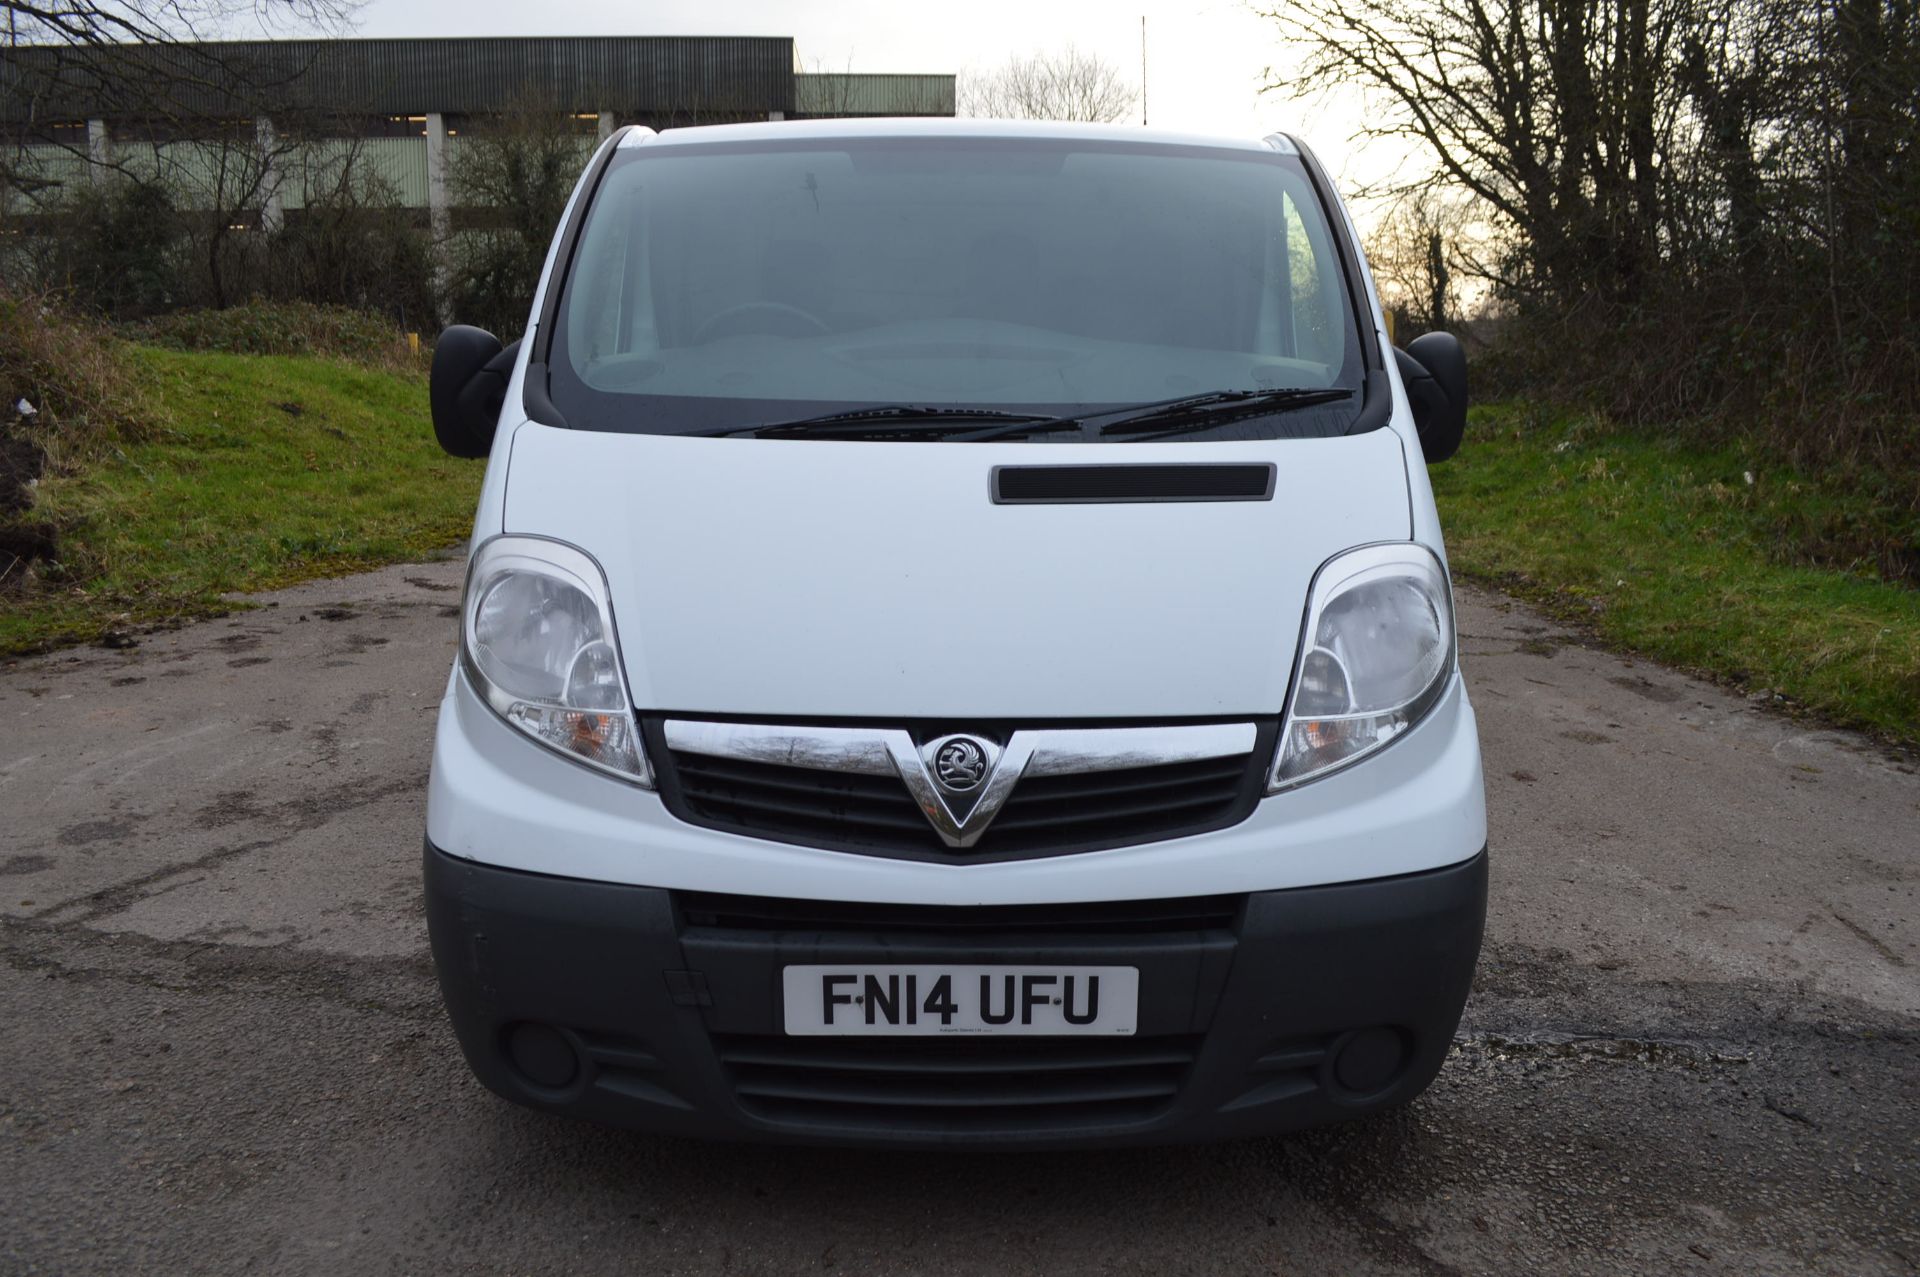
(1021, 792)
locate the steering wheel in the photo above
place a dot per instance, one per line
(775, 319)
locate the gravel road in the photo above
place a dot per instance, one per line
(1692, 1046)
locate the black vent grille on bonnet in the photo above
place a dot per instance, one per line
(1035, 485)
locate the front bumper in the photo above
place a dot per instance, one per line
(1259, 1013)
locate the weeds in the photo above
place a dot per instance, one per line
(80, 396)
(287, 328)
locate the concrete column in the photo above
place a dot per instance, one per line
(776, 115)
(273, 212)
(439, 212)
(99, 149)
(606, 125)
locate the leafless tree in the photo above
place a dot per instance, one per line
(513, 174)
(64, 60)
(1700, 210)
(1427, 254)
(1550, 112)
(355, 242)
(1063, 85)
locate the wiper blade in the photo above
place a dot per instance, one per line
(1157, 411)
(1192, 412)
(1203, 412)
(939, 419)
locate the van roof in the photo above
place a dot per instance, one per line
(790, 130)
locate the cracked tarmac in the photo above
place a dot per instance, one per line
(1691, 1045)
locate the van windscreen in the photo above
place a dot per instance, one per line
(735, 283)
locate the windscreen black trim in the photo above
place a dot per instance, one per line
(1376, 409)
(1357, 293)
(535, 396)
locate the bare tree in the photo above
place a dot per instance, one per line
(1424, 252)
(1064, 85)
(66, 60)
(355, 242)
(1511, 98)
(1698, 210)
(513, 175)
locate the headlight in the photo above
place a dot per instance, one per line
(1376, 654)
(538, 642)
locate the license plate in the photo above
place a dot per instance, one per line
(927, 1001)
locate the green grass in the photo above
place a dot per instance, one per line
(1692, 556)
(270, 470)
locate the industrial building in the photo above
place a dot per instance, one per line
(259, 127)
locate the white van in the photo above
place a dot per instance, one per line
(957, 650)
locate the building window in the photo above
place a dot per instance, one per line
(392, 126)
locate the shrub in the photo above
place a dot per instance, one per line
(284, 328)
(520, 168)
(116, 249)
(361, 259)
(355, 244)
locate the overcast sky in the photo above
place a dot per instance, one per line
(1206, 59)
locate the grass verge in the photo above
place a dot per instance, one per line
(1692, 556)
(268, 470)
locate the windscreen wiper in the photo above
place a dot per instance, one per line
(925, 418)
(1190, 412)
(1204, 412)
(1206, 407)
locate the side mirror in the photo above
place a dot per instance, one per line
(1434, 370)
(466, 388)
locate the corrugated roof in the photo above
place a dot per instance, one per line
(854, 94)
(680, 76)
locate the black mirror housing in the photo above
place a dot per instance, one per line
(466, 388)
(1433, 368)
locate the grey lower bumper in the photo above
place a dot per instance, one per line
(1258, 1014)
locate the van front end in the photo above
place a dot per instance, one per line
(1244, 979)
(957, 652)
